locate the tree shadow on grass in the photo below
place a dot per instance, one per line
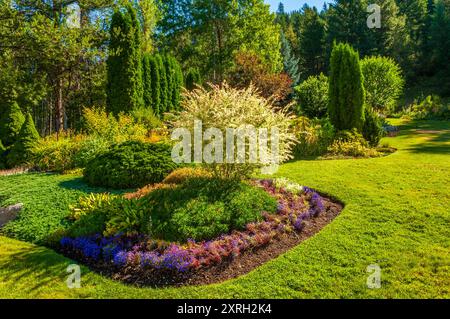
(35, 266)
(79, 185)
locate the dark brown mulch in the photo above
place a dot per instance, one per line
(234, 267)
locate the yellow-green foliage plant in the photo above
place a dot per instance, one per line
(223, 107)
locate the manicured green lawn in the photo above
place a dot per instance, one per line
(397, 215)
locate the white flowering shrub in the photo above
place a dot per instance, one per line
(210, 117)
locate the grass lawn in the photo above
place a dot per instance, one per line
(397, 215)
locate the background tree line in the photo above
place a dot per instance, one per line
(60, 56)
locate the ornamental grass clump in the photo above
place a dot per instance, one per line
(224, 111)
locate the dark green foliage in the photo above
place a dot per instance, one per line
(147, 81)
(311, 38)
(347, 22)
(193, 78)
(312, 97)
(10, 123)
(131, 164)
(21, 150)
(346, 90)
(2, 152)
(372, 130)
(156, 85)
(124, 86)
(147, 117)
(203, 208)
(290, 62)
(164, 104)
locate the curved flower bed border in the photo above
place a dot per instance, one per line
(302, 212)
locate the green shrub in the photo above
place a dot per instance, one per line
(11, 123)
(181, 175)
(203, 208)
(22, 149)
(314, 136)
(312, 97)
(429, 108)
(129, 216)
(89, 148)
(146, 117)
(97, 123)
(383, 82)
(346, 91)
(131, 164)
(198, 219)
(373, 128)
(56, 153)
(223, 107)
(351, 144)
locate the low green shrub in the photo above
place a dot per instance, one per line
(146, 117)
(130, 164)
(314, 136)
(202, 208)
(373, 128)
(351, 144)
(430, 107)
(181, 175)
(312, 97)
(57, 153)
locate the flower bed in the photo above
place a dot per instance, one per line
(143, 260)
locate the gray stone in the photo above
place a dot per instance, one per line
(9, 213)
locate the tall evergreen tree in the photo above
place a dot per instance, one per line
(21, 150)
(290, 62)
(312, 42)
(163, 86)
(124, 87)
(346, 91)
(347, 22)
(11, 121)
(168, 68)
(439, 36)
(156, 85)
(147, 81)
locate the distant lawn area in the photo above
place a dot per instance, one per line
(397, 216)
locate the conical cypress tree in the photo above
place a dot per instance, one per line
(147, 81)
(163, 85)
(124, 86)
(11, 123)
(136, 67)
(21, 150)
(346, 92)
(156, 85)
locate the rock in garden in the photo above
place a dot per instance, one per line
(9, 213)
